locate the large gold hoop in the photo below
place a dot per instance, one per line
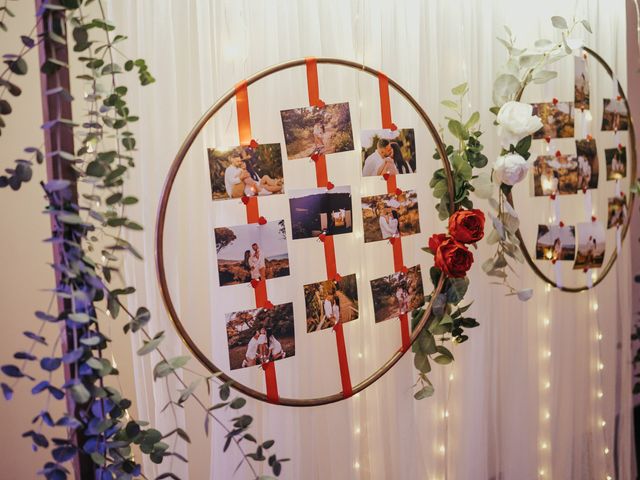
(160, 226)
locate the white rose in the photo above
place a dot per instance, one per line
(510, 169)
(516, 122)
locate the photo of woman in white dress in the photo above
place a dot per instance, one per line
(389, 224)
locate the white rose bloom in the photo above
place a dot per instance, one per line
(515, 122)
(510, 169)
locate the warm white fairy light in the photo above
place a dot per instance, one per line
(108, 312)
(547, 415)
(600, 366)
(357, 431)
(547, 385)
(606, 451)
(603, 423)
(546, 322)
(544, 445)
(356, 465)
(547, 288)
(599, 336)
(595, 306)
(451, 377)
(442, 449)
(360, 355)
(600, 394)
(547, 354)
(104, 259)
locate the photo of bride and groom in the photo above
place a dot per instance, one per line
(260, 335)
(389, 152)
(331, 302)
(245, 171)
(251, 252)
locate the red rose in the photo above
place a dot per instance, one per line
(435, 241)
(453, 258)
(467, 226)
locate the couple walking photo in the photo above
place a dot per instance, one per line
(331, 302)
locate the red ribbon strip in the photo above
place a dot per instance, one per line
(271, 381)
(345, 376)
(315, 101)
(242, 108)
(385, 103)
(330, 257)
(253, 216)
(392, 185)
(398, 262)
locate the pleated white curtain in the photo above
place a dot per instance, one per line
(506, 409)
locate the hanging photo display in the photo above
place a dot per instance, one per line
(556, 242)
(588, 167)
(330, 302)
(398, 293)
(317, 130)
(591, 245)
(615, 116)
(555, 174)
(616, 212)
(581, 83)
(316, 211)
(251, 252)
(391, 152)
(260, 335)
(245, 171)
(616, 159)
(388, 215)
(557, 120)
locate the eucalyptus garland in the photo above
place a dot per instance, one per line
(99, 426)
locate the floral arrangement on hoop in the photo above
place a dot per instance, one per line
(516, 125)
(452, 256)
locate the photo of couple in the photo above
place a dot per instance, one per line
(331, 302)
(581, 84)
(317, 130)
(320, 210)
(615, 116)
(617, 212)
(387, 151)
(260, 335)
(245, 171)
(390, 215)
(397, 293)
(616, 159)
(251, 252)
(556, 243)
(591, 245)
(588, 168)
(555, 175)
(557, 120)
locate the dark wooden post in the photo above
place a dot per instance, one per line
(59, 138)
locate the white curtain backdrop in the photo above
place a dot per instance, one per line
(525, 398)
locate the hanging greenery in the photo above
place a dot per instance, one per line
(88, 231)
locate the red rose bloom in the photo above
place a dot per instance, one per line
(453, 258)
(467, 226)
(435, 241)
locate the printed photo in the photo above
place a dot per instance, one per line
(248, 252)
(260, 335)
(387, 151)
(239, 171)
(316, 130)
(615, 116)
(616, 159)
(397, 293)
(588, 168)
(557, 120)
(617, 212)
(320, 210)
(581, 84)
(556, 243)
(331, 302)
(591, 245)
(552, 174)
(388, 215)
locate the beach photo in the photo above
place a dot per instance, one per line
(581, 84)
(251, 252)
(615, 116)
(260, 335)
(616, 159)
(244, 171)
(556, 243)
(588, 167)
(320, 210)
(555, 175)
(616, 212)
(557, 120)
(397, 293)
(591, 245)
(330, 302)
(388, 151)
(317, 130)
(388, 215)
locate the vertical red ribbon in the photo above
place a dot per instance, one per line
(315, 101)
(322, 180)
(253, 216)
(385, 114)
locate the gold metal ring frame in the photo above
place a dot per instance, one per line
(160, 228)
(630, 198)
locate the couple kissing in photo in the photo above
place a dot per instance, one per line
(387, 158)
(262, 348)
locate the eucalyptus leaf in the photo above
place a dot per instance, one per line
(559, 22)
